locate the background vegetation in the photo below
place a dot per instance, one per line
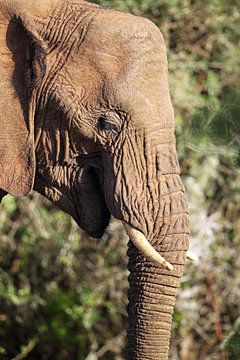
(63, 295)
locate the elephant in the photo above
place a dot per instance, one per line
(86, 120)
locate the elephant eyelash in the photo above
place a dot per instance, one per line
(106, 125)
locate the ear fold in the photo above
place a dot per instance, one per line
(17, 157)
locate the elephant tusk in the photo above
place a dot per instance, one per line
(146, 249)
(191, 256)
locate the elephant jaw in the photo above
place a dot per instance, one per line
(147, 250)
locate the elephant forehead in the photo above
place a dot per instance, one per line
(117, 41)
(145, 97)
(113, 29)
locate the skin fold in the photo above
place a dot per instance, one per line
(86, 120)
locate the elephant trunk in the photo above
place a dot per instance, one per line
(153, 289)
(149, 197)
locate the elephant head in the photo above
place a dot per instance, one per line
(86, 120)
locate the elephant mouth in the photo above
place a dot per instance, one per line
(91, 211)
(95, 217)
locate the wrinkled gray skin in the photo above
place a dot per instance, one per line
(86, 120)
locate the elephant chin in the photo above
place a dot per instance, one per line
(92, 213)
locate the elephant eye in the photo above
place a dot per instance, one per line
(106, 125)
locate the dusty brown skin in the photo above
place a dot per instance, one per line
(86, 120)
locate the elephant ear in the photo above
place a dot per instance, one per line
(17, 156)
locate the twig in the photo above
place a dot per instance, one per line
(26, 349)
(215, 308)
